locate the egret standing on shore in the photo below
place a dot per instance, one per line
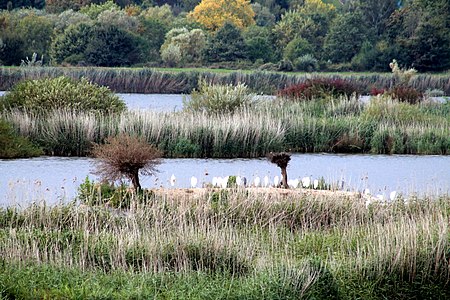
(257, 181)
(266, 181)
(194, 181)
(276, 181)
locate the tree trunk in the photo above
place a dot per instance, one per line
(284, 178)
(134, 176)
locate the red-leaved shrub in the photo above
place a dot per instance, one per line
(376, 91)
(319, 88)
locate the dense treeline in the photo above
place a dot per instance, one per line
(284, 35)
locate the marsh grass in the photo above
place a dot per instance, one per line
(128, 80)
(323, 125)
(258, 245)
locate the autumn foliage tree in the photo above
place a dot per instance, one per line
(213, 14)
(126, 156)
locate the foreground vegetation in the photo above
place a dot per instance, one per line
(228, 244)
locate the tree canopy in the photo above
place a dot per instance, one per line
(213, 14)
(321, 35)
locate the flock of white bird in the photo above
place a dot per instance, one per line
(305, 182)
(222, 182)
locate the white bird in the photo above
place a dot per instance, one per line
(306, 182)
(380, 197)
(172, 180)
(194, 181)
(366, 192)
(293, 183)
(393, 195)
(316, 184)
(266, 181)
(219, 181)
(214, 181)
(238, 180)
(257, 181)
(225, 182)
(276, 181)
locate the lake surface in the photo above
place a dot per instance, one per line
(56, 179)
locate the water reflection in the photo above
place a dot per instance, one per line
(56, 179)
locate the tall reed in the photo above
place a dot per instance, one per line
(156, 81)
(327, 125)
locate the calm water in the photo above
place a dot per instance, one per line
(56, 179)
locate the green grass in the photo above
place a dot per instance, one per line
(252, 246)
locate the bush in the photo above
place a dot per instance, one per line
(93, 194)
(306, 63)
(218, 98)
(14, 146)
(285, 65)
(319, 88)
(405, 94)
(61, 92)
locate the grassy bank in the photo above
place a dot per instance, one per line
(330, 125)
(228, 245)
(143, 80)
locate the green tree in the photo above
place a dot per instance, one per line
(296, 48)
(263, 16)
(36, 32)
(94, 10)
(70, 46)
(191, 44)
(419, 35)
(227, 44)
(152, 33)
(376, 13)
(111, 46)
(310, 21)
(345, 38)
(259, 44)
(38, 4)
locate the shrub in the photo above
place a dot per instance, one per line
(285, 65)
(61, 92)
(376, 91)
(13, 145)
(319, 88)
(306, 63)
(93, 193)
(126, 156)
(218, 98)
(405, 94)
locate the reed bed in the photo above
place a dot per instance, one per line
(144, 80)
(291, 246)
(336, 125)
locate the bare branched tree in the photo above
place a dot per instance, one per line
(126, 156)
(281, 159)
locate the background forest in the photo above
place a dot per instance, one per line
(275, 35)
